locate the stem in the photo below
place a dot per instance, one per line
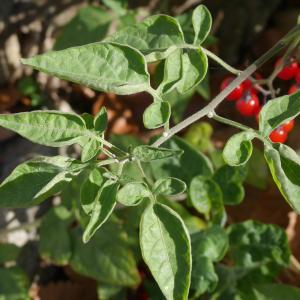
(106, 162)
(231, 123)
(221, 62)
(25, 226)
(220, 97)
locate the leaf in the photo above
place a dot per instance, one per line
(104, 67)
(264, 246)
(90, 150)
(278, 111)
(104, 204)
(166, 249)
(35, 180)
(133, 193)
(9, 253)
(204, 277)
(169, 186)
(199, 135)
(203, 88)
(258, 175)
(178, 103)
(90, 189)
(110, 292)
(153, 37)
(101, 120)
(202, 22)
(204, 192)
(107, 257)
(148, 153)
(273, 291)
(89, 25)
(212, 243)
(284, 164)
(172, 72)
(185, 167)
(194, 68)
(118, 6)
(230, 182)
(48, 128)
(157, 114)
(238, 149)
(55, 241)
(208, 246)
(192, 222)
(14, 284)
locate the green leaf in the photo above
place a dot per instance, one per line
(89, 25)
(107, 257)
(101, 120)
(194, 68)
(185, 167)
(273, 291)
(238, 149)
(166, 249)
(156, 36)
(202, 22)
(90, 150)
(133, 193)
(55, 241)
(90, 189)
(35, 180)
(203, 89)
(105, 67)
(284, 164)
(157, 114)
(50, 128)
(110, 292)
(211, 243)
(208, 246)
(264, 246)
(148, 153)
(204, 278)
(230, 182)
(258, 174)
(199, 135)
(277, 112)
(8, 253)
(104, 204)
(204, 193)
(118, 6)
(169, 186)
(192, 222)
(172, 72)
(14, 284)
(178, 103)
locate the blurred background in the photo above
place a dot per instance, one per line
(242, 31)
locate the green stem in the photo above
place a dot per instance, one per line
(221, 62)
(231, 123)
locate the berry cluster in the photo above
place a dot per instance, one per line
(247, 100)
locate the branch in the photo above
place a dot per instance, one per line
(221, 96)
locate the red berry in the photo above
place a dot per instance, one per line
(289, 70)
(288, 126)
(248, 105)
(297, 78)
(278, 135)
(248, 85)
(293, 89)
(236, 93)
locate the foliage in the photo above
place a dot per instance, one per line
(184, 252)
